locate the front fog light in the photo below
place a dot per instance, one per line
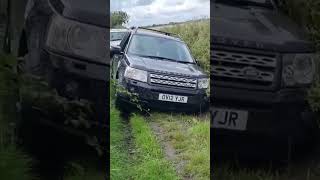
(203, 83)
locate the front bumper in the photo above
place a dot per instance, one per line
(271, 114)
(148, 96)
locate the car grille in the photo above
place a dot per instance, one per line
(243, 69)
(170, 80)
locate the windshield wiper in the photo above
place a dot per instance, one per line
(187, 62)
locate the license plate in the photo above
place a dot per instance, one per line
(229, 119)
(173, 98)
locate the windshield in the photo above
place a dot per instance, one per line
(162, 48)
(262, 3)
(116, 36)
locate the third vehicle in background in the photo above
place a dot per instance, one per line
(116, 36)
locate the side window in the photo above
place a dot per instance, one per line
(124, 41)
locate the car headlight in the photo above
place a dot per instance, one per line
(203, 83)
(77, 39)
(298, 69)
(136, 74)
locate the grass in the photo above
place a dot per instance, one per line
(145, 160)
(14, 164)
(190, 136)
(119, 155)
(246, 174)
(150, 163)
(76, 171)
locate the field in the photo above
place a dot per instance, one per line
(164, 145)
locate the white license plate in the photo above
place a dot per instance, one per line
(173, 98)
(229, 119)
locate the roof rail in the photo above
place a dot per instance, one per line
(162, 32)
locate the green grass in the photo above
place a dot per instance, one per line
(76, 171)
(119, 155)
(190, 136)
(14, 164)
(304, 173)
(150, 163)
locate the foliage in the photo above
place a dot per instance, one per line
(118, 19)
(14, 164)
(307, 14)
(196, 34)
(116, 89)
(119, 159)
(75, 171)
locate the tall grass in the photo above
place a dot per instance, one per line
(307, 14)
(14, 164)
(119, 152)
(197, 36)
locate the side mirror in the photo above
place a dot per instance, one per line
(115, 50)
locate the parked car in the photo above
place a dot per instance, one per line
(116, 36)
(159, 68)
(64, 43)
(262, 65)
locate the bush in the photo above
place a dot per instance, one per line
(307, 14)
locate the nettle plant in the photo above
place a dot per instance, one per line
(35, 92)
(133, 97)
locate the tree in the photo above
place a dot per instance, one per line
(119, 18)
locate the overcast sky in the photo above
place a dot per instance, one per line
(148, 12)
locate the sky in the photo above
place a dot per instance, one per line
(148, 12)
